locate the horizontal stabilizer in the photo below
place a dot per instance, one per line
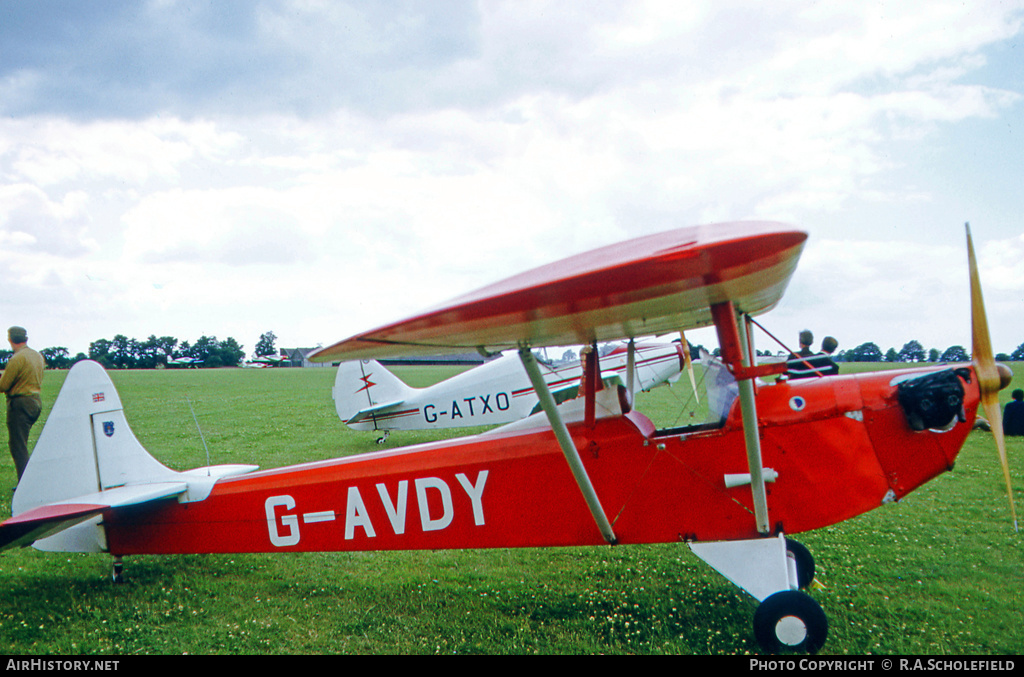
(38, 523)
(27, 528)
(370, 411)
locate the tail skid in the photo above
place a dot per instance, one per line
(88, 461)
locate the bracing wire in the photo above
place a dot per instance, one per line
(187, 399)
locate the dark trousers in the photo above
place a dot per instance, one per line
(22, 412)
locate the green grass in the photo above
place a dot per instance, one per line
(938, 573)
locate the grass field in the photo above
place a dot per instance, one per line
(938, 573)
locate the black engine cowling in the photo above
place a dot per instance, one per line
(932, 401)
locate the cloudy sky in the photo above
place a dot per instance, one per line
(316, 169)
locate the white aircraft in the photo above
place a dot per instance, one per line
(264, 361)
(184, 362)
(369, 397)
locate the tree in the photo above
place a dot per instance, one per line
(955, 354)
(230, 352)
(265, 346)
(206, 350)
(933, 355)
(128, 353)
(56, 358)
(123, 352)
(1018, 354)
(99, 350)
(866, 352)
(912, 351)
(214, 353)
(154, 351)
(891, 355)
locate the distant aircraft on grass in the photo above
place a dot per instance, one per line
(264, 361)
(369, 397)
(184, 362)
(590, 472)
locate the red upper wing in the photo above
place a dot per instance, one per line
(647, 286)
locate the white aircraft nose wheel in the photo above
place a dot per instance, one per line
(790, 621)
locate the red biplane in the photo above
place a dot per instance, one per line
(786, 456)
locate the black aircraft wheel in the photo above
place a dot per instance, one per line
(790, 621)
(804, 562)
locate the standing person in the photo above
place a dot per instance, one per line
(807, 363)
(828, 347)
(799, 366)
(22, 382)
(806, 339)
(1013, 415)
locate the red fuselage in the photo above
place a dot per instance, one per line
(840, 445)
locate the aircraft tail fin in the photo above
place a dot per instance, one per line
(364, 390)
(88, 460)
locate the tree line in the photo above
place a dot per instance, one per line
(122, 352)
(913, 351)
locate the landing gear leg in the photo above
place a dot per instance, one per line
(118, 572)
(772, 570)
(804, 561)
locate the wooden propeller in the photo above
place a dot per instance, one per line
(992, 377)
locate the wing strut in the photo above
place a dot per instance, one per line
(737, 355)
(591, 383)
(572, 455)
(631, 370)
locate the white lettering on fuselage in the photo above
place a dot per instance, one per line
(479, 405)
(283, 523)
(289, 522)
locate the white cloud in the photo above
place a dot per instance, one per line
(53, 152)
(31, 221)
(237, 226)
(368, 162)
(1002, 264)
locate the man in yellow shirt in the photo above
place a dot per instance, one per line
(22, 382)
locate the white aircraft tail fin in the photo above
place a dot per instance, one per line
(364, 388)
(88, 460)
(86, 445)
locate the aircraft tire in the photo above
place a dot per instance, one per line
(790, 621)
(804, 562)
